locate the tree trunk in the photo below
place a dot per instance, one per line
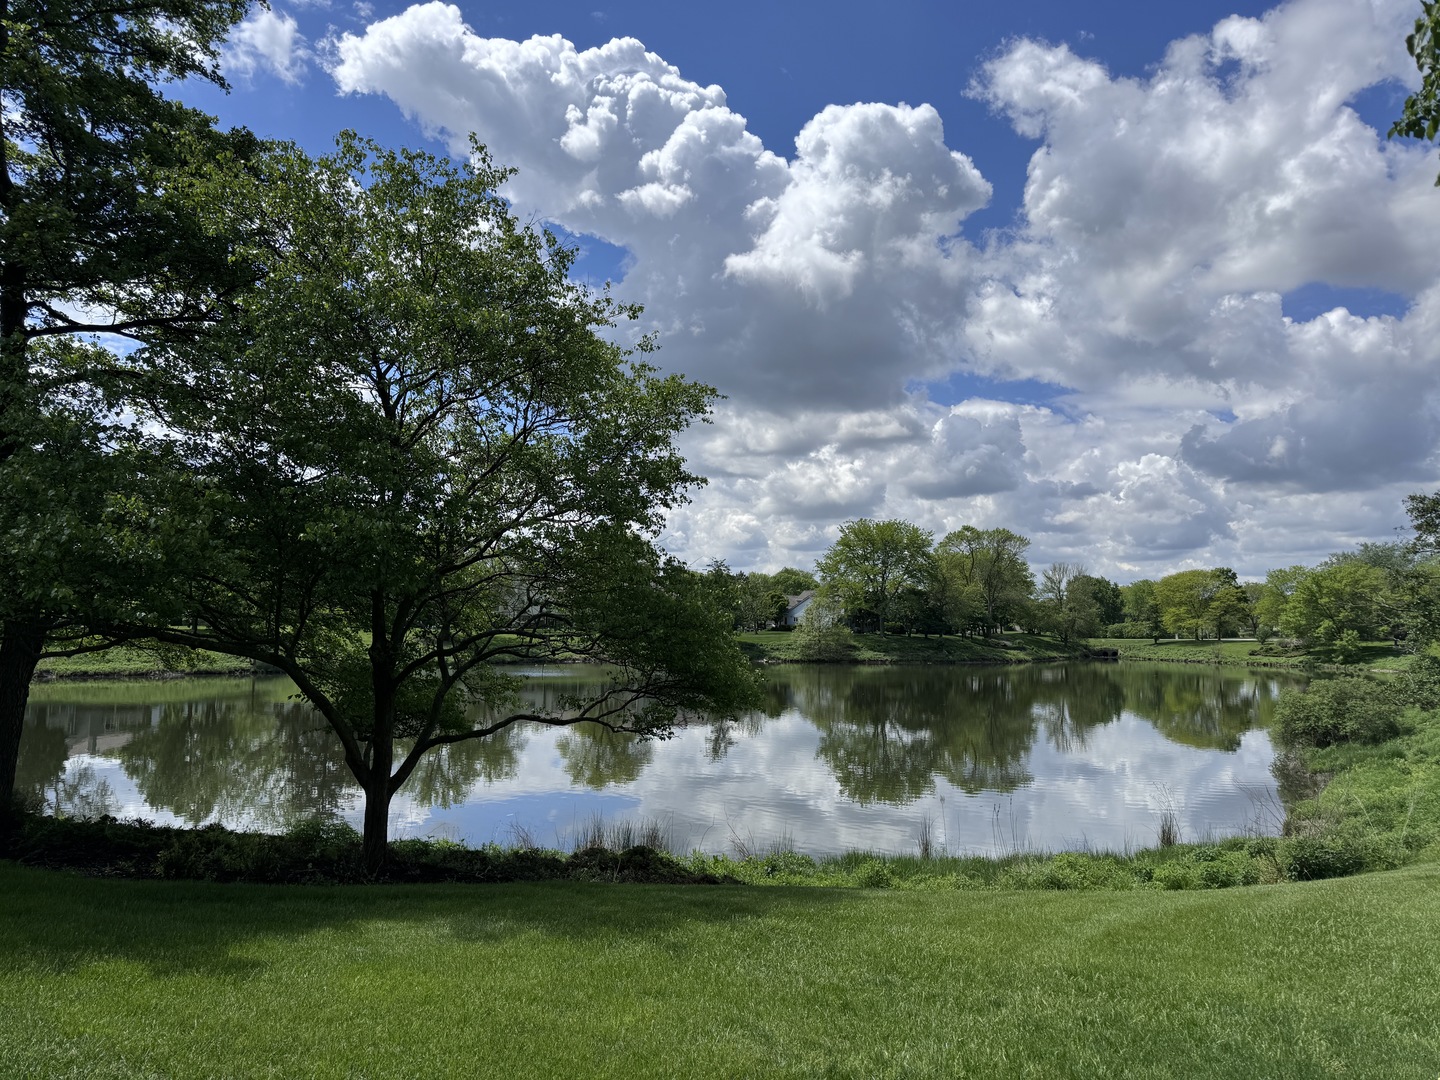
(376, 834)
(20, 645)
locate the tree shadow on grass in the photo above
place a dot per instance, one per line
(58, 922)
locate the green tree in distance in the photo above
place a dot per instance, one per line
(1109, 600)
(789, 581)
(1227, 603)
(871, 562)
(1067, 602)
(1142, 609)
(91, 241)
(1183, 599)
(993, 562)
(1335, 607)
(411, 453)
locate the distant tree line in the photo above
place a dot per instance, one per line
(894, 577)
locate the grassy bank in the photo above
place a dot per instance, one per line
(125, 979)
(779, 646)
(1374, 655)
(139, 662)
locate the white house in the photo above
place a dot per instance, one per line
(795, 607)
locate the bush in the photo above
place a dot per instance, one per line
(1349, 848)
(1210, 866)
(1337, 711)
(1420, 685)
(875, 874)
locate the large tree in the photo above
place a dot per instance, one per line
(1184, 599)
(90, 242)
(1336, 606)
(993, 562)
(871, 562)
(413, 452)
(1066, 600)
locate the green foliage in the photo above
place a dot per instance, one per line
(992, 574)
(1066, 602)
(92, 240)
(821, 634)
(1193, 602)
(321, 852)
(1069, 871)
(870, 563)
(1182, 599)
(1419, 685)
(1338, 853)
(1421, 116)
(1334, 607)
(1108, 598)
(1333, 711)
(789, 581)
(412, 451)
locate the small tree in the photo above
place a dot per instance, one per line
(410, 455)
(822, 633)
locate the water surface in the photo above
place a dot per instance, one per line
(993, 759)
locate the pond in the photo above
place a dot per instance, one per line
(987, 760)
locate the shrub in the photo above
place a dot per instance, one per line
(788, 864)
(1210, 866)
(1309, 858)
(1420, 685)
(875, 874)
(1348, 848)
(1334, 711)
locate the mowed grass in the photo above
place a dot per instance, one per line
(123, 979)
(1373, 655)
(783, 646)
(133, 661)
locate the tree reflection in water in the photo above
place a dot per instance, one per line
(889, 733)
(245, 753)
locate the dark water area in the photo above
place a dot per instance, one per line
(991, 760)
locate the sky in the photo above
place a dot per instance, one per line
(1143, 282)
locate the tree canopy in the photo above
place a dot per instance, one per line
(412, 451)
(91, 240)
(871, 562)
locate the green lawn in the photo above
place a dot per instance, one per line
(780, 646)
(103, 978)
(128, 661)
(1374, 655)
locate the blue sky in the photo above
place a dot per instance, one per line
(1142, 281)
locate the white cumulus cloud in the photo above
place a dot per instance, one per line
(268, 40)
(1164, 221)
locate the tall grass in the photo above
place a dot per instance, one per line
(620, 835)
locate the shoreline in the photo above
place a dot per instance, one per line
(773, 648)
